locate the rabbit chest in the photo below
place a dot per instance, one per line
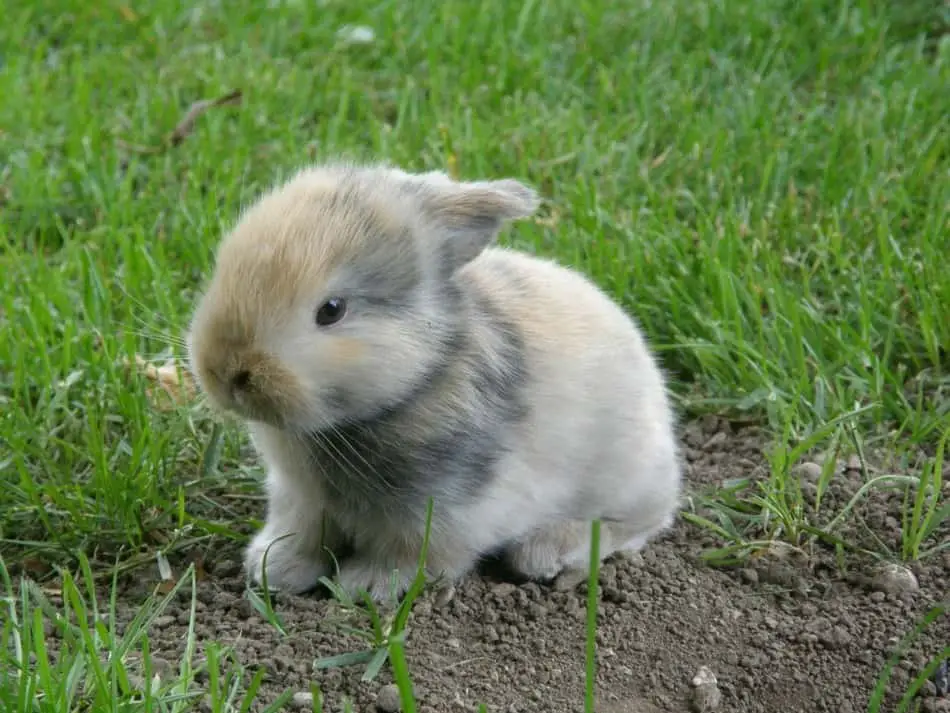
(443, 442)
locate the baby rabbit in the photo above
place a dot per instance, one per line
(382, 352)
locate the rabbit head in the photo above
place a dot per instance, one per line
(333, 298)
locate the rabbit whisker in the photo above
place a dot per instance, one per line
(333, 442)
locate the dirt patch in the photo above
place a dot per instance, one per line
(780, 634)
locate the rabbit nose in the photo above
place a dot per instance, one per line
(240, 380)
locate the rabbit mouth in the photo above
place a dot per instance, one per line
(251, 406)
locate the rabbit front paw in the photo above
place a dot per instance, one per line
(291, 567)
(381, 583)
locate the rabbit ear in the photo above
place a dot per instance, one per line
(467, 216)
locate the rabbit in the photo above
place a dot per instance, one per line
(383, 350)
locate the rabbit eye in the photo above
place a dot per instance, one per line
(331, 311)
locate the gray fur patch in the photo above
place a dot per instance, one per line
(388, 276)
(386, 288)
(388, 463)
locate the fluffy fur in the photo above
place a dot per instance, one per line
(507, 388)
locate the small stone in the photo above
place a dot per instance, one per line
(877, 596)
(302, 699)
(854, 462)
(808, 471)
(715, 441)
(569, 579)
(706, 695)
(693, 434)
(705, 698)
(633, 558)
(503, 589)
(163, 621)
(781, 574)
(749, 576)
(704, 676)
(837, 637)
(282, 663)
(387, 700)
(227, 568)
(162, 668)
(444, 595)
(894, 579)
(453, 643)
(941, 679)
(709, 423)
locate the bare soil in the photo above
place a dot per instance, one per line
(780, 633)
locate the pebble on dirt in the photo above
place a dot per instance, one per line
(387, 700)
(941, 679)
(302, 700)
(570, 579)
(444, 595)
(894, 579)
(750, 576)
(808, 470)
(706, 694)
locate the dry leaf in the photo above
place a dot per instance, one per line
(201, 573)
(164, 566)
(661, 159)
(187, 123)
(185, 126)
(156, 537)
(138, 148)
(173, 385)
(168, 580)
(552, 220)
(35, 567)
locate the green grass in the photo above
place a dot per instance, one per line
(765, 185)
(750, 514)
(72, 657)
(773, 208)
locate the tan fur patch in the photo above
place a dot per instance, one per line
(345, 349)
